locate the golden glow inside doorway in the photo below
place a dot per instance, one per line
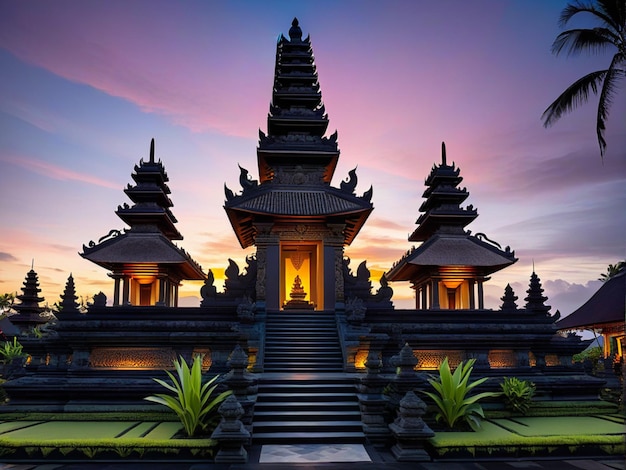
(302, 261)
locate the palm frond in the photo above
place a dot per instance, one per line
(577, 41)
(608, 92)
(608, 12)
(576, 94)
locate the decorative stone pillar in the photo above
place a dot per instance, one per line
(472, 294)
(540, 360)
(482, 359)
(434, 301)
(116, 289)
(406, 378)
(126, 291)
(481, 295)
(230, 434)
(243, 384)
(263, 238)
(372, 402)
(410, 431)
(522, 359)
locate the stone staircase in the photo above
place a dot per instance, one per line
(304, 395)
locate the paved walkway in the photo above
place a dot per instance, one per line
(379, 461)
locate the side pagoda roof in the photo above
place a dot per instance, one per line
(606, 306)
(452, 250)
(152, 227)
(441, 229)
(131, 248)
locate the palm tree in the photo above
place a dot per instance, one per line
(6, 302)
(612, 270)
(609, 35)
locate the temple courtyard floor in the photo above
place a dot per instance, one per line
(534, 443)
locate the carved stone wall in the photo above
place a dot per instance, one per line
(132, 358)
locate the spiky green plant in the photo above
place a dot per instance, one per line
(11, 350)
(193, 402)
(452, 395)
(518, 394)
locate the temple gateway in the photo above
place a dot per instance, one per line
(298, 222)
(301, 321)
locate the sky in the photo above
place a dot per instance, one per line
(85, 85)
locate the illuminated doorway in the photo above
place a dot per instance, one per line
(301, 261)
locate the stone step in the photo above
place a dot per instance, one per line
(308, 438)
(306, 415)
(308, 387)
(301, 334)
(297, 368)
(337, 407)
(302, 351)
(264, 397)
(312, 357)
(307, 426)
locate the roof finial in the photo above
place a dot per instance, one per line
(152, 150)
(443, 154)
(295, 33)
(32, 264)
(533, 265)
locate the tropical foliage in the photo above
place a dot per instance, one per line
(6, 302)
(11, 350)
(452, 395)
(609, 34)
(612, 270)
(194, 403)
(518, 394)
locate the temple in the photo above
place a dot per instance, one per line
(144, 259)
(29, 312)
(297, 221)
(448, 269)
(298, 318)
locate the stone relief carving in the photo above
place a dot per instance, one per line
(298, 176)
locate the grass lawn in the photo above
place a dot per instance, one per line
(52, 438)
(535, 436)
(101, 439)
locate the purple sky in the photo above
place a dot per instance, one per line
(86, 85)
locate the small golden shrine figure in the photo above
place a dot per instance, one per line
(297, 295)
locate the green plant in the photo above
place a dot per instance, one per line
(452, 398)
(592, 354)
(193, 401)
(11, 350)
(518, 394)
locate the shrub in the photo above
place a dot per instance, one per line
(592, 354)
(452, 398)
(193, 402)
(518, 394)
(11, 350)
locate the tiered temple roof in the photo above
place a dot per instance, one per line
(152, 229)
(441, 228)
(151, 206)
(296, 162)
(28, 309)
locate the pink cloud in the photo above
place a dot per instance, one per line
(115, 50)
(56, 172)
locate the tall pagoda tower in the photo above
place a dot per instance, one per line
(28, 310)
(145, 264)
(298, 222)
(448, 269)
